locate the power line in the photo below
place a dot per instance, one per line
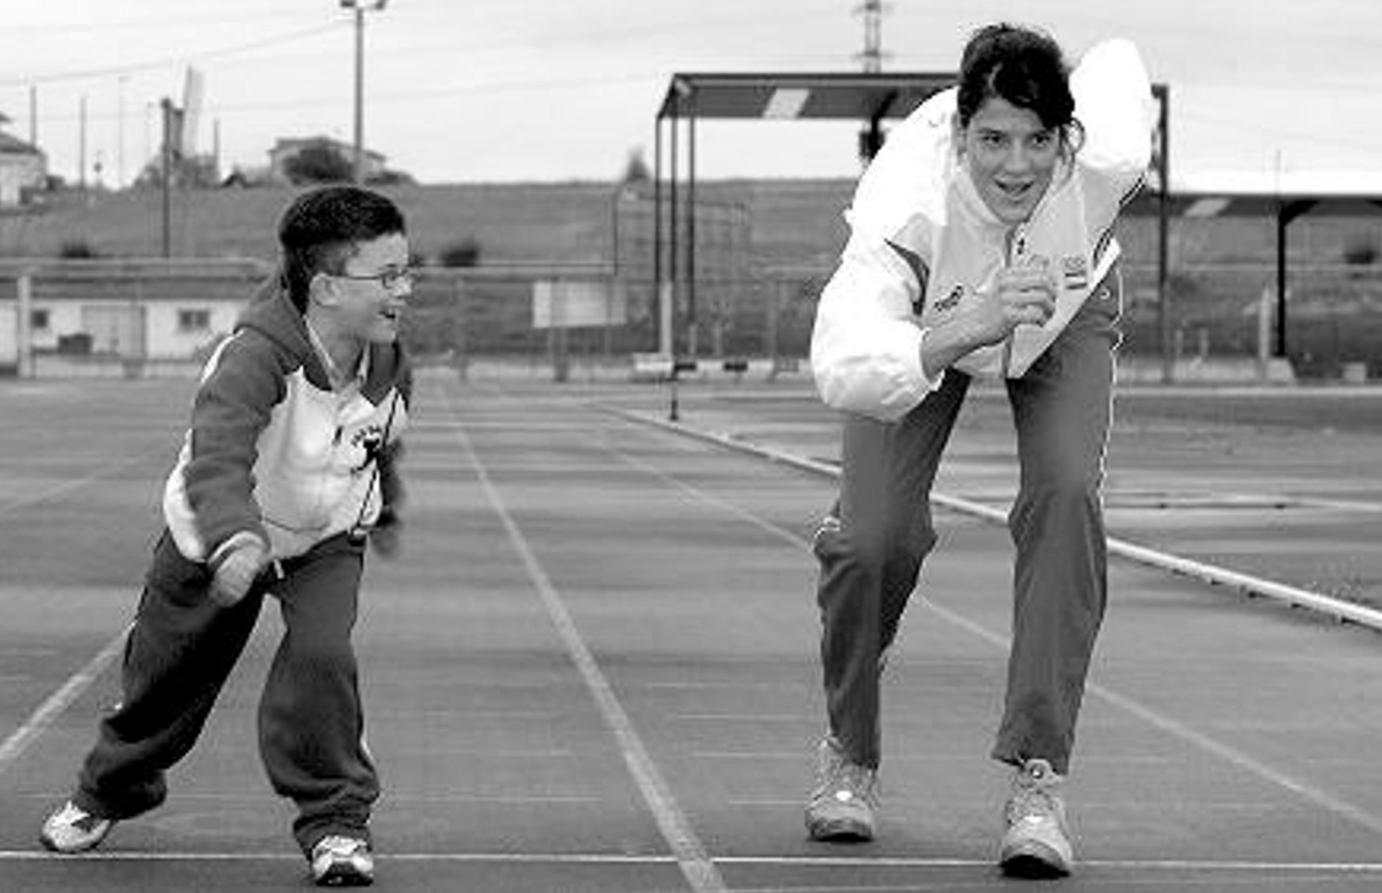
(86, 74)
(14, 29)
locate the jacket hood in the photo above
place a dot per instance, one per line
(272, 313)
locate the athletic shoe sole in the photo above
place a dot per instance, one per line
(1034, 861)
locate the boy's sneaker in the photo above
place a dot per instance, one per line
(1036, 843)
(339, 861)
(72, 829)
(843, 803)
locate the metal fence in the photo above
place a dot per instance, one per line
(485, 319)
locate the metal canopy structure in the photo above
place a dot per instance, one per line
(868, 97)
(1284, 206)
(860, 96)
(874, 97)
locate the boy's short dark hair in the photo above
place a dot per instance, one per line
(322, 228)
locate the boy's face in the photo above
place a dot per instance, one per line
(370, 290)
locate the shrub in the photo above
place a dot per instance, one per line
(77, 249)
(465, 253)
(318, 164)
(1360, 251)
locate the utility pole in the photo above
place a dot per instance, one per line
(81, 146)
(167, 106)
(871, 136)
(359, 6)
(872, 54)
(120, 135)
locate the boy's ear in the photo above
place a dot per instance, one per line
(322, 290)
(957, 134)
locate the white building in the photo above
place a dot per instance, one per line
(131, 318)
(23, 169)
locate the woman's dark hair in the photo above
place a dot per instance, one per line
(1020, 65)
(323, 228)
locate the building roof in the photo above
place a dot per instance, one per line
(13, 145)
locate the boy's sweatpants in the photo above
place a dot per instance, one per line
(872, 545)
(181, 649)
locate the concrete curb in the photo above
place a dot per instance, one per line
(1213, 574)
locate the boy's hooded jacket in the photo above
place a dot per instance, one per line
(923, 242)
(273, 451)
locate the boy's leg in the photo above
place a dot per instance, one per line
(311, 725)
(871, 552)
(180, 650)
(1062, 412)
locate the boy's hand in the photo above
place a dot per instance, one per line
(237, 570)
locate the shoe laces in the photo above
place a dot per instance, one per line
(339, 845)
(843, 776)
(1035, 794)
(78, 818)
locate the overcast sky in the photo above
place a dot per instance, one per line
(545, 90)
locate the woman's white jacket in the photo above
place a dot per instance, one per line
(922, 241)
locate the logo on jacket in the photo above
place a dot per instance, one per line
(370, 439)
(950, 301)
(1076, 270)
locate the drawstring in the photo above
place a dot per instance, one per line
(357, 531)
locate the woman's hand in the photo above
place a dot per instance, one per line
(1019, 295)
(1022, 295)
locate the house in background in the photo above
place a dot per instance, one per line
(119, 317)
(286, 149)
(23, 168)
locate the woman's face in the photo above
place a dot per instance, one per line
(1010, 156)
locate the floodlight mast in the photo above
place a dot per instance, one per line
(358, 164)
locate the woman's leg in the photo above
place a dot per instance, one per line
(1062, 412)
(870, 551)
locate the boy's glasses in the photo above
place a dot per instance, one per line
(391, 279)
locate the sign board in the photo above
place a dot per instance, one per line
(570, 304)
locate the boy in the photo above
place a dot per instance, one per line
(287, 470)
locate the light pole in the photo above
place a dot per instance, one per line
(360, 6)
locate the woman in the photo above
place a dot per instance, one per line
(981, 246)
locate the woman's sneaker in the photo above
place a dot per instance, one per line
(1036, 843)
(845, 798)
(72, 829)
(339, 861)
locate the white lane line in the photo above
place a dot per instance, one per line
(15, 745)
(58, 701)
(1184, 732)
(67, 486)
(860, 862)
(691, 854)
(1208, 573)
(1316, 795)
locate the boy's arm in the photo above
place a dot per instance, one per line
(231, 409)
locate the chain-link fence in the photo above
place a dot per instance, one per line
(147, 317)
